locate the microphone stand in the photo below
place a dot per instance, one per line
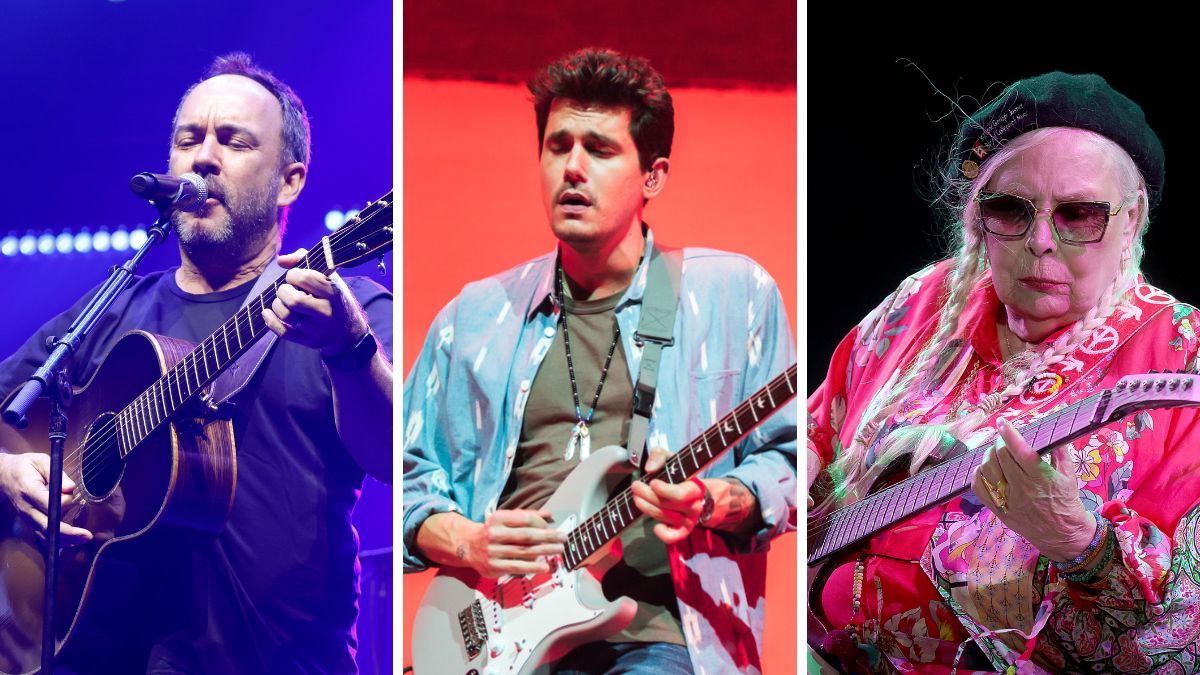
(50, 380)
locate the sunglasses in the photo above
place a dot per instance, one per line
(1006, 215)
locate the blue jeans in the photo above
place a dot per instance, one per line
(636, 658)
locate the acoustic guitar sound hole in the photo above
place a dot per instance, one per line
(102, 463)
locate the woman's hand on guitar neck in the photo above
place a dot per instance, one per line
(511, 542)
(1039, 503)
(25, 483)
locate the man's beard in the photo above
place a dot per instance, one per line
(248, 217)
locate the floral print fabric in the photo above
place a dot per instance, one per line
(955, 574)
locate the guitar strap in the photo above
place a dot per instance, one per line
(655, 329)
(233, 380)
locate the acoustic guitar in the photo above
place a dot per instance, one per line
(154, 464)
(835, 533)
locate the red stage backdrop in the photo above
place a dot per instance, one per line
(472, 208)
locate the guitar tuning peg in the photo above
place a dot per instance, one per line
(1153, 371)
(381, 266)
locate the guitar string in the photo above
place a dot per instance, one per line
(143, 408)
(825, 523)
(920, 477)
(938, 473)
(595, 522)
(177, 375)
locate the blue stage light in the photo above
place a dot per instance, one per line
(45, 244)
(334, 220)
(137, 238)
(101, 241)
(9, 245)
(64, 242)
(28, 245)
(83, 242)
(120, 240)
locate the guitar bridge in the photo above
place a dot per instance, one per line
(474, 630)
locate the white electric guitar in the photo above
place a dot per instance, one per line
(468, 625)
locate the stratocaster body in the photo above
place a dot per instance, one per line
(523, 625)
(472, 626)
(181, 478)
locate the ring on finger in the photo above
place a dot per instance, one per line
(997, 493)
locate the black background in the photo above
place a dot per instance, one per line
(876, 127)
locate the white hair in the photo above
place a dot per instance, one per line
(969, 267)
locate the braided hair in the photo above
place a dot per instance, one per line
(852, 476)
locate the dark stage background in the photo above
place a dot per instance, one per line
(875, 127)
(471, 186)
(89, 90)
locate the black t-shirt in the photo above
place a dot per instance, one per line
(276, 591)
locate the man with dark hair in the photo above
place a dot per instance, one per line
(276, 590)
(526, 371)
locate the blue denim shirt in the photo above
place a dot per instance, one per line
(464, 403)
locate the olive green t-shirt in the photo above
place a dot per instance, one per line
(540, 465)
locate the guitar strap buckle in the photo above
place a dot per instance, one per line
(655, 330)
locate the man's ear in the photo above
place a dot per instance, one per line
(291, 182)
(656, 178)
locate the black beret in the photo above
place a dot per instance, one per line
(1059, 99)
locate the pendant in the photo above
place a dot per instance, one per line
(580, 439)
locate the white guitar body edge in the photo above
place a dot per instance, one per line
(521, 639)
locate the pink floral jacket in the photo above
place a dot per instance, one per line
(955, 574)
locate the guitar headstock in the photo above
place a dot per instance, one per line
(1153, 390)
(367, 235)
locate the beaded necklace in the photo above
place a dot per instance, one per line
(579, 433)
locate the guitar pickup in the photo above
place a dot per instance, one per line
(474, 629)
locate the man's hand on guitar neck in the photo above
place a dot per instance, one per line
(514, 542)
(321, 312)
(678, 507)
(25, 483)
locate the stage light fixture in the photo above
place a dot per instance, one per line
(10, 245)
(101, 241)
(28, 245)
(137, 238)
(334, 220)
(83, 242)
(45, 244)
(120, 240)
(64, 242)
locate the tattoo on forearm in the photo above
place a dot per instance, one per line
(461, 552)
(739, 504)
(741, 509)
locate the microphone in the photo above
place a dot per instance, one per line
(183, 193)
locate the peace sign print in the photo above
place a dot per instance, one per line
(1154, 296)
(1102, 340)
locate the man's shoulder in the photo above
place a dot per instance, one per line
(709, 265)
(518, 281)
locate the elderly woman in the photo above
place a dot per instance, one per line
(1091, 562)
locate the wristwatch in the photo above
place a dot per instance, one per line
(355, 358)
(706, 510)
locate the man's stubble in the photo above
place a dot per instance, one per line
(248, 218)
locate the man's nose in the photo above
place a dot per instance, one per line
(575, 169)
(207, 159)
